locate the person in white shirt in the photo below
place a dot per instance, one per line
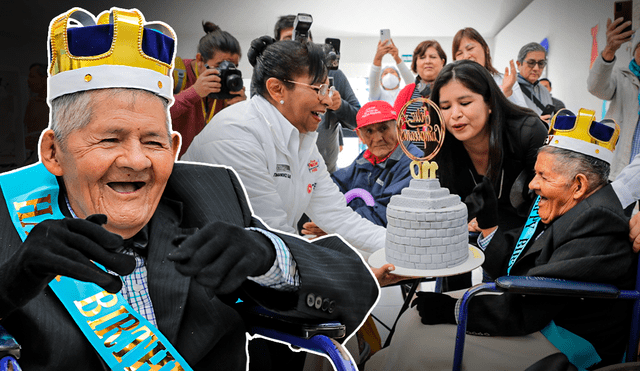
(270, 141)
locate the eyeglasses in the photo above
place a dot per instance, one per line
(322, 90)
(532, 63)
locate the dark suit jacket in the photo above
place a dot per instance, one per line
(206, 330)
(588, 243)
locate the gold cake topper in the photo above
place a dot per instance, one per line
(418, 126)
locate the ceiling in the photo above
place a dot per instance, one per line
(247, 19)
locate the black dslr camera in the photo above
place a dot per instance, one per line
(331, 48)
(230, 78)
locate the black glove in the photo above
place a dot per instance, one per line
(62, 247)
(435, 308)
(483, 203)
(221, 256)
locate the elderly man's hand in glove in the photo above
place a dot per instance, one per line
(221, 256)
(62, 247)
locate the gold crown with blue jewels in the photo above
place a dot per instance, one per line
(118, 49)
(583, 134)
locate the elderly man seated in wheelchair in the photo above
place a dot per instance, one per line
(576, 230)
(181, 250)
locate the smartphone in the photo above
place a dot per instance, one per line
(335, 43)
(623, 9)
(330, 81)
(385, 34)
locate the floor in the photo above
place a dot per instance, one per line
(391, 301)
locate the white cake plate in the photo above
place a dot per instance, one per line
(475, 259)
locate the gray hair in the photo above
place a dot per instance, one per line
(72, 112)
(570, 164)
(530, 47)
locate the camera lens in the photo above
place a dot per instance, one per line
(234, 83)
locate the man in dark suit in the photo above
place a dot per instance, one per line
(180, 243)
(577, 230)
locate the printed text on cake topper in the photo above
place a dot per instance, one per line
(418, 126)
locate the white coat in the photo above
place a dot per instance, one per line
(282, 171)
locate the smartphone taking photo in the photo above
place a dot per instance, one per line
(385, 34)
(623, 9)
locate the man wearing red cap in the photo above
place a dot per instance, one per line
(382, 169)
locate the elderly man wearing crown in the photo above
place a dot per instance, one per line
(576, 230)
(178, 243)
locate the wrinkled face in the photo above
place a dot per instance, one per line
(472, 50)
(118, 164)
(532, 74)
(555, 190)
(465, 112)
(303, 106)
(380, 138)
(286, 34)
(429, 65)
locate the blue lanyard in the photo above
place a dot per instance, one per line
(527, 232)
(122, 337)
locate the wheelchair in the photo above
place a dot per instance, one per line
(318, 338)
(556, 287)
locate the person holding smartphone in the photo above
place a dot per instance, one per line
(384, 83)
(619, 84)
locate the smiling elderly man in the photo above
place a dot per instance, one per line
(576, 230)
(383, 168)
(178, 240)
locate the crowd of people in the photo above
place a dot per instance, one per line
(256, 209)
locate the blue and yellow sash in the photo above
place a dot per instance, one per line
(527, 232)
(122, 337)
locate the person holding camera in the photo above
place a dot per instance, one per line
(199, 91)
(619, 85)
(532, 58)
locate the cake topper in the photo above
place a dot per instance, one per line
(418, 126)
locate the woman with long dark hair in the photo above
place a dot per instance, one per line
(487, 135)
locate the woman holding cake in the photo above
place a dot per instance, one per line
(489, 136)
(578, 231)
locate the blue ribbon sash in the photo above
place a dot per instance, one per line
(122, 337)
(527, 232)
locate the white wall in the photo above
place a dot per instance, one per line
(567, 24)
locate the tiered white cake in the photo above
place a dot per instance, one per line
(427, 227)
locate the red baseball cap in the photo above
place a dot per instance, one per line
(375, 112)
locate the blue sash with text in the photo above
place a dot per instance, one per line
(122, 337)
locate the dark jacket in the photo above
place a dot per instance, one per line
(206, 330)
(521, 139)
(588, 243)
(382, 181)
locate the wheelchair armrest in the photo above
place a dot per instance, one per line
(556, 287)
(306, 334)
(259, 317)
(8, 345)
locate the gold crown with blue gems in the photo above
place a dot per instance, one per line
(583, 134)
(118, 49)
